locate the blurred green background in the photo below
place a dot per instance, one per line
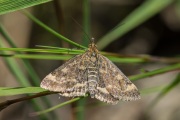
(142, 36)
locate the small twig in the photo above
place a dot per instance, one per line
(6, 55)
(146, 58)
(6, 103)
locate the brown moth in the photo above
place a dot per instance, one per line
(91, 73)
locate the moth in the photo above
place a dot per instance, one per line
(91, 73)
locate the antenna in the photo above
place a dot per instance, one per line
(87, 36)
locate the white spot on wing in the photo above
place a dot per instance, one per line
(103, 90)
(131, 87)
(119, 77)
(64, 70)
(51, 77)
(80, 85)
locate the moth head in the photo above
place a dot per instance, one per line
(92, 46)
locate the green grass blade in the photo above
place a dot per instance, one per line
(26, 63)
(14, 68)
(57, 106)
(170, 86)
(12, 64)
(86, 22)
(8, 91)
(59, 50)
(152, 89)
(155, 72)
(126, 59)
(52, 31)
(30, 70)
(6, 36)
(46, 57)
(7, 6)
(148, 9)
(166, 90)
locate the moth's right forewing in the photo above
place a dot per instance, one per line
(116, 83)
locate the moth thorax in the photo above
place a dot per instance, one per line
(93, 59)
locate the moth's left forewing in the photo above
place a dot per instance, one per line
(116, 83)
(69, 79)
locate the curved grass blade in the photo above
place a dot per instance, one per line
(11, 63)
(165, 91)
(26, 63)
(14, 68)
(152, 89)
(30, 70)
(155, 72)
(7, 6)
(148, 9)
(57, 106)
(52, 31)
